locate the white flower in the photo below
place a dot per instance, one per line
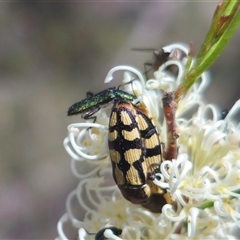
(203, 182)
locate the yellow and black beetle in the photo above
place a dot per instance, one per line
(135, 152)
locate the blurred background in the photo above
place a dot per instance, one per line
(51, 54)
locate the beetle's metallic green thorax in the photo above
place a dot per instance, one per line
(122, 95)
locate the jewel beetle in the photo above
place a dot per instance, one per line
(93, 102)
(135, 152)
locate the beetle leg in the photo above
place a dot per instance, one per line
(88, 115)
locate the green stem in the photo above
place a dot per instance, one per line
(217, 47)
(224, 24)
(218, 25)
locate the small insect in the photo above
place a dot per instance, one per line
(160, 57)
(100, 234)
(93, 102)
(135, 152)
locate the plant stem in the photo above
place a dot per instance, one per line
(225, 22)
